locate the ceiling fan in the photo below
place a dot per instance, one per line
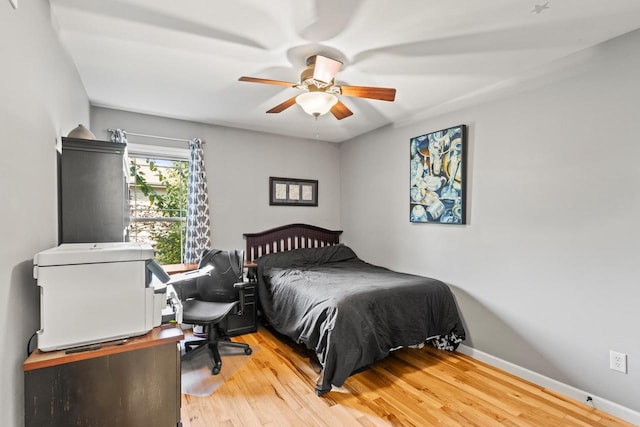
(317, 80)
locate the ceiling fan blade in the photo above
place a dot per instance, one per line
(380, 93)
(266, 81)
(340, 111)
(283, 106)
(325, 69)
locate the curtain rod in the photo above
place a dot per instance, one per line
(155, 136)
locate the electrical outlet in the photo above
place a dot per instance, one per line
(618, 361)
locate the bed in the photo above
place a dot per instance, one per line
(350, 313)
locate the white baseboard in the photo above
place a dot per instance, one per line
(546, 382)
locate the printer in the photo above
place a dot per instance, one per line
(96, 292)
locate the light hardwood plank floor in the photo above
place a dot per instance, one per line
(411, 387)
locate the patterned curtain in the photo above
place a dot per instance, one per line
(197, 239)
(118, 135)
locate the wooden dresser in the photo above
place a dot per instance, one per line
(133, 384)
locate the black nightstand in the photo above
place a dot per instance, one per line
(245, 323)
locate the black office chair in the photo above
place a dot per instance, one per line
(208, 301)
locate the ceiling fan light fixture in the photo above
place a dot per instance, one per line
(324, 69)
(316, 103)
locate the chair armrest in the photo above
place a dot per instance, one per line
(241, 287)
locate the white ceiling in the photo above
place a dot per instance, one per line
(182, 59)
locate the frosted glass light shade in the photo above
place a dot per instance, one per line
(316, 103)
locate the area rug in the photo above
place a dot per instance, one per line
(197, 379)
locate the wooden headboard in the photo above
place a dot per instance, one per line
(287, 238)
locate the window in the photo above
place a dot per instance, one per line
(158, 200)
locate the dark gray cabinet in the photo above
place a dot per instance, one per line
(93, 192)
(245, 323)
(130, 385)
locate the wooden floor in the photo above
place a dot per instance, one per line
(411, 387)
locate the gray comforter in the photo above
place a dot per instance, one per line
(352, 313)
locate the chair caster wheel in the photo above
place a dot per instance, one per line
(215, 370)
(247, 351)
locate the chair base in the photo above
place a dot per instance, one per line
(196, 346)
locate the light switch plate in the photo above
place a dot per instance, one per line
(14, 3)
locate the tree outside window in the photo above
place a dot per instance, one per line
(158, 205)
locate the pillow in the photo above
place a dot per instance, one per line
(307, 257)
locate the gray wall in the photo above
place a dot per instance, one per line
(42, 98)
(546, 272)
(239, 164)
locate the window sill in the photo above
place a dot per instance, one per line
(179, 268)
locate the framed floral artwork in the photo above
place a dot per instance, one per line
(437, 176)
(293, 192)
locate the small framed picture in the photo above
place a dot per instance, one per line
(293, 192)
